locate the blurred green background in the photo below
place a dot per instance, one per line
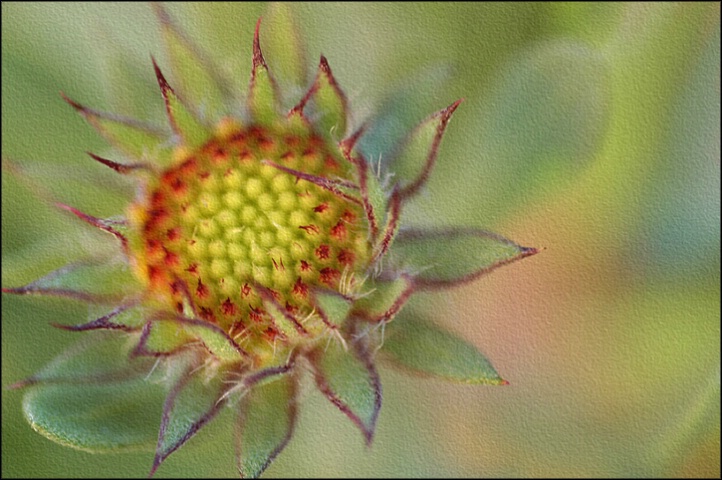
(590, 129)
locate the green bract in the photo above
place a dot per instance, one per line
(256, 246)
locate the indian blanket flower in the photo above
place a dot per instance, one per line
(259, 246)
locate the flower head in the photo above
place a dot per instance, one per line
(258, 245)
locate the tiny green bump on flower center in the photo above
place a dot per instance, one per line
(227, 224)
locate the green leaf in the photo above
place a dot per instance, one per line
(192, 403)
(96, 418)
(266, 423)
(94, 398)
(198, 78)
(349, 380)
(446, 257)
(132, 137)
(89, 280)
(184, 123)
(425, 348)
(284, 45)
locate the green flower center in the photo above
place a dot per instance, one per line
(232, 226)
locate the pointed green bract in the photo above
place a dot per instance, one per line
(401, 110)
(350, 384)
(162, 337)
(383, 297)
(262, 98)
(183, 122)
(266, 422)
(329, 104)
(90, 280)
(167, 336)
(445, 257)
(417, 156)
(284, 45)
(191, 403)
(425, 348)
(333, 307)
(197, 78)
(216, 341)
(129, 317)
(130, 136)
(374, 197)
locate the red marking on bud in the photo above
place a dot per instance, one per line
(256, 314)
(228, 173)
(291, 308)
(228, 308)
(157, 198)
(238, 139)
(321, 208)
(155, 274)
(278, 265)
(171, 259)
(178, 186)
(202, 290)
(219, 155)
(329, 276)
(245, 156)
(323, 252)
(305, 267)
(270, 334)
(310, 229)
(173, 234)
(152, 247)
(236, 329)
(256, 131)
(316, 141)
(330, 163)
(300, 288)
(207, 315)
(348, 216)
(266, 144)
(204, 175)
(292, 140)
(189, 167)
(287, 156)
(308, 153)
(245, 290)
(338, 231)
(346, 257)
(193, 269)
